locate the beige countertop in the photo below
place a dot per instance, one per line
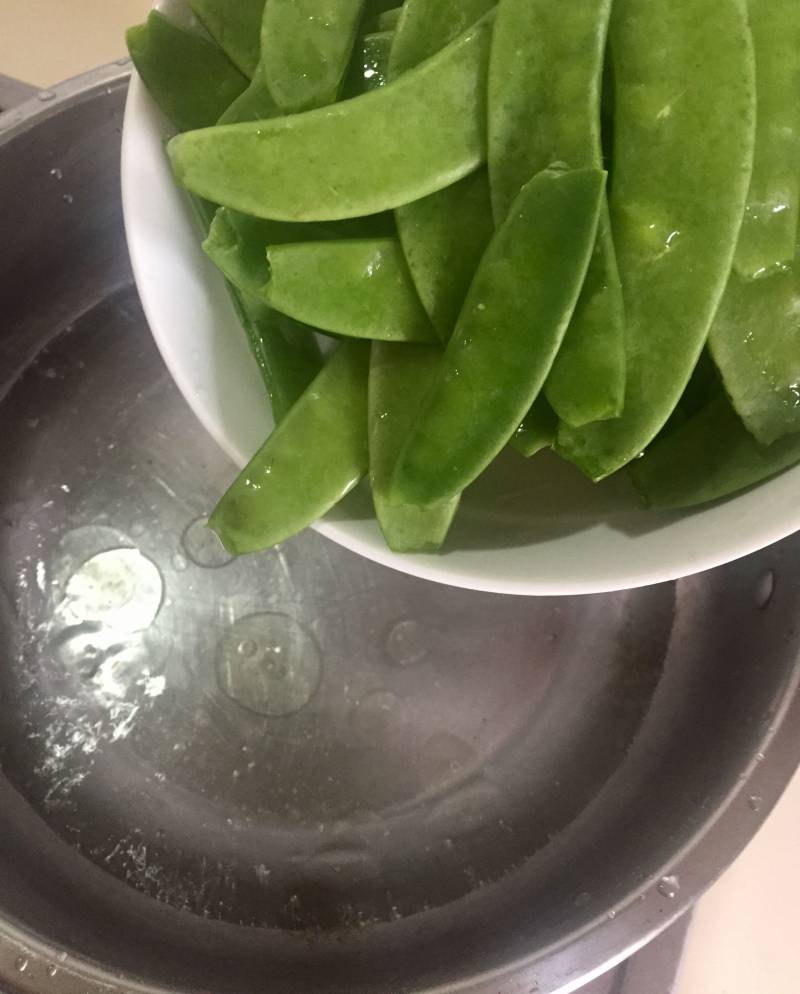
(45, 41)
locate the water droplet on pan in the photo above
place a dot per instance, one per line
(203, 546)
(669, 887)
(268, 664)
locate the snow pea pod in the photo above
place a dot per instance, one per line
(514, 320)
(710, 457)
(287, 355)
(387, 21)
(399, 377)
(538, 116)
(305, 50)
(685, 127)
(444, 235)
(237, 243)
(770, 222)
(255, 104)
(754, 342)
(370, 64)
(362, 156)
(538, 429)
(236, 27)
(359, 288)
(426, 26)
(315, 456)
(189, 77)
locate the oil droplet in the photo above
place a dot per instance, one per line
(765, 588)
(52, 970)
(56, 174)
(269, 664)
(21, 963)
(669, 887)
(68, 198)
(46, 96)
(179, 563)
(755, 802)
(203, 546)
(406, 643)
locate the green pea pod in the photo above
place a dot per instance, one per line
(255, 104)
(769, 230)
(538, 116)
(754, 342)
(236, 27)
(387, 21)
(709, 457)
(370, 64)
(538, 429)
(359, 288)
(317, 454)
(443, 235)
(685, 128)
(363, 156)
(191, 80)
(286, 352)
(426, 26)
(514, 320)
(399, 377)
(287, 355)
(305, 49)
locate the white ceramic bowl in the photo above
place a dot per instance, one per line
(528, 527)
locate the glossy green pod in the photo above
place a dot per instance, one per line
(443, 235)
(360, 288)
(769, 229)
(709, 457)
(370, 64)
(510, 330)
(685, 129)
(426, 26)
(317, 454)
(545, 86)
(305, 50)
(400, 376)
(755, 342)
(255, 104)
(362, 156)
(190, 78)
(236, 27)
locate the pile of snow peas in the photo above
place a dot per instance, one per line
(520, 223)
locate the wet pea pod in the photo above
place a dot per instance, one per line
(545, 85)
(255, 104)
(538, 429)
(315, 456)
(236, 27)
(511, 328)
(769, 230)
(356, 288)
(754, 342)
(287, 355)
(237, 243)
(424, 27)
(400, 376)
(305, 50)
(443, 235)
(684, 137)
(370, 66)
(363, 156)
(190, 78)
(710, 457)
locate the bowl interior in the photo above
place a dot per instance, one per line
(527, 527)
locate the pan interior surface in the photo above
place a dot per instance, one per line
(302, 768)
